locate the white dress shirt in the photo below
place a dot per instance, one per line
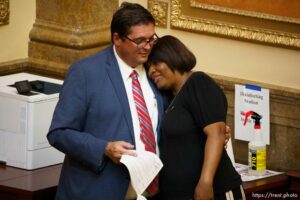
(151, 105)
(148, 96)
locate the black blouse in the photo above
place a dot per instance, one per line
(199, 103)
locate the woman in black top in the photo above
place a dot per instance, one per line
(196, 166)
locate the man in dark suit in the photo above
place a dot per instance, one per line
(96, 121)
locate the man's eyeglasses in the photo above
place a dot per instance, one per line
(142, 42)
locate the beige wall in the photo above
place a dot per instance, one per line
(14, 37)
(239, 59)
(245, 60)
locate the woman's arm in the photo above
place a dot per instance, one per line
(214, 147)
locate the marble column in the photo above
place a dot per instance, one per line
(67, 30)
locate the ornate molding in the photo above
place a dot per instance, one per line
(244, 12)
(71, 37)
(159, 9)
(210, 26)
(4, 12)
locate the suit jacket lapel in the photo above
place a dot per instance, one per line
(117, 81)
(160, 106)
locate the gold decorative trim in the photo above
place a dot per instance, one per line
(4, 12)
(74, 37)
(244, 12)
(223, 28)
(159, 9)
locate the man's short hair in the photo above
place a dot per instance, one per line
(128, 15)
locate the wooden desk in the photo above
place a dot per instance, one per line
(39, 184)
(294, 178)
(275, 184)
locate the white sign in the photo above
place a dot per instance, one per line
(250, 98)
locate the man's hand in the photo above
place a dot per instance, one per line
(115, 150)
(227, 135)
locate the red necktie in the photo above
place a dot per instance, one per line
(147, 135)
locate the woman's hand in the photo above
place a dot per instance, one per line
(212, 155)
(203, 191)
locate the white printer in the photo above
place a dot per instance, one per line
(25, 120)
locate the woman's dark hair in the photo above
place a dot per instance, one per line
(128, 15)
(174, 53)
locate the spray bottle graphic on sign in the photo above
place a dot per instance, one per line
(257, 147)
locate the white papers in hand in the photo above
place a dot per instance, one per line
(140, 197)
(142, 169)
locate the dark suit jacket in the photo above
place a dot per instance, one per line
(93, 109)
